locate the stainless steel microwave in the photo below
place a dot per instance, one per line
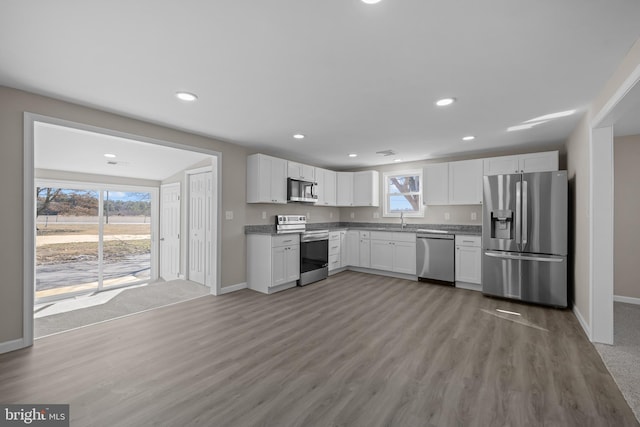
(301, 191)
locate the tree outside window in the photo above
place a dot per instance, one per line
(403, 193)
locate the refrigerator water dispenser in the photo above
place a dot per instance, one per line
(502, 225)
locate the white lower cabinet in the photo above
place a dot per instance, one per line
(468, 259)
(365, 250)
(273, 262)
(353, 248)
(337, 250)
(393, 251)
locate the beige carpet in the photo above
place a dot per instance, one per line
(82, 311)
(623, 358)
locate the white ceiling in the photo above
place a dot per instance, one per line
(352, 77)
(73, 150)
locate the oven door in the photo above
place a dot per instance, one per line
(314, 257)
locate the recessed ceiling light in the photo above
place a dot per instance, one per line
(110, 156)
(468, 138)
(353, 155)
(397, 160)
(298, 136)
(371, 1)
(186, 96)
(445, 101)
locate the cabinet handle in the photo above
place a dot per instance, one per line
(287, 241)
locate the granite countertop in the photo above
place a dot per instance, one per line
(474, 230)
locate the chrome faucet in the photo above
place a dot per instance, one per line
(402, 224)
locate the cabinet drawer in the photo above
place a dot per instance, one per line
(334, 236)
(462, 240)
(334, 248)
(404, 237)
(334, 261)
(285, 240)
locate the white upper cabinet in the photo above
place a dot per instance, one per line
(326, 180)
(435, 181)
(465, 182)
(533, 162)
(301, 171)
(344, 188)
(366, 188)
(266, 179)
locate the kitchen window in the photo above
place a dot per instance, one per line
(403, 193)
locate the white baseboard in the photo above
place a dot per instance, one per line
(628, 300)
(384, 273)
(7, 346)
(233, 288)
(583, 323)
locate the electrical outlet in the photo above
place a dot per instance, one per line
(447, 216)
(228, 214)
(352, 215)
(474, 216)
(308, 216)
(330, 215)
(376, 214)
(264, 215)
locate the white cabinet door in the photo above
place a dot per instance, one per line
(501, 165)
(353, 248)
(468, 264)
(344, 188)
(292, 255)
(465, 182)
(266, 179)
(404, 257)
(278, 266)
(435, 181)
(301, 171)
(382, 254)
(539, 162)
(326, 180)
(366, 188)
(343, 248)
(365, 253)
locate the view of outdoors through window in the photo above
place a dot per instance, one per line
(403, 193)
(68, 240)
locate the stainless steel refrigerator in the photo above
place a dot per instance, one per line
(524, 237)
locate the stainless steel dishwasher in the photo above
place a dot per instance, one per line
(435, 251)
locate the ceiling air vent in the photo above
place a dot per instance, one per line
(386, 153)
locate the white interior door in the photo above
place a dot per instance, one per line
(170, 231)
(198, 220)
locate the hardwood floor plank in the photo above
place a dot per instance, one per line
(352, 350)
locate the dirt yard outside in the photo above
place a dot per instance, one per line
(58, 243)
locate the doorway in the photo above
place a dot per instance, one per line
(201, 220)
(85, 156)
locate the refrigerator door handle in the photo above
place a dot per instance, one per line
(518, 214)
(523, 257)
(525, 221)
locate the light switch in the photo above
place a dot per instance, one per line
(352, 215)
(474, 216)
(376, 214)
(264, 215)
(447, 217)
(228, 214)
(330, 215)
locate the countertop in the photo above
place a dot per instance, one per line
(473, 230)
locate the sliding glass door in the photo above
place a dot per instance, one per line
(90, 239)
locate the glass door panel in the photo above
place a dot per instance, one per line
(67, 242)
(127, 238)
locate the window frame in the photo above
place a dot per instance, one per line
(386, 194)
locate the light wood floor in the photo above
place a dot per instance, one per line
(353, 350)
